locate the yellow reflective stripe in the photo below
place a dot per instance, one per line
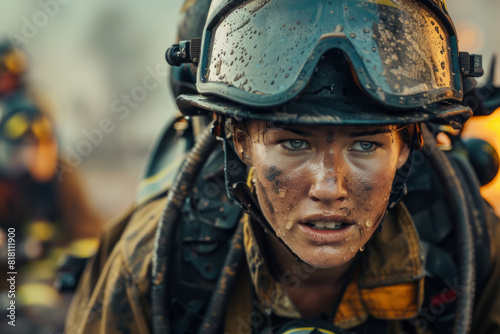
(42, 230)
(400, 301)
(187, 4)
(42, 128)
(16, 126)
(160, 175)
(250, 177)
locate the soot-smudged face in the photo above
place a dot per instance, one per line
(323, 189)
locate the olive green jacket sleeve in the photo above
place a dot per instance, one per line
(113, 293)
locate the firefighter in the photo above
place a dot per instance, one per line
(326, 205)
(48, 215)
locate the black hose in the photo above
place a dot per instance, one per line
(165, 232)
(222, 293)
(459, 206)
(482, 232)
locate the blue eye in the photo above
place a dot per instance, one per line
(295, 144)
(363, 146)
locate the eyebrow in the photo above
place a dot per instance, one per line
(299, 132)
(369, 132)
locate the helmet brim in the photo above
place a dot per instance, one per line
(308, 110)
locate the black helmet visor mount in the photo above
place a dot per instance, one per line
(262, 53)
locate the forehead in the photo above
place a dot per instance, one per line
(263, 127)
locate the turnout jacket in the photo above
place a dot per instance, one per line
(389, 285)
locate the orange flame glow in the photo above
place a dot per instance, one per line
(487, 128)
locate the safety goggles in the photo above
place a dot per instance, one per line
(262, 53)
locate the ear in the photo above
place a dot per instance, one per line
(242, 147)
(404, 153)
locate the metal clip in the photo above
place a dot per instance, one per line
(471, 65)
(183, 53)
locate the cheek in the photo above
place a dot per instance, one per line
(370, 187)
(278, 191)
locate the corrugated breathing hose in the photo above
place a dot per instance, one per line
(459, 207)
(165, 232)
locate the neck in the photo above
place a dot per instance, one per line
(290, 269)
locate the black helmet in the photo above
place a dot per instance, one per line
(267, 59)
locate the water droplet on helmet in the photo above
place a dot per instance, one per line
(352, 35)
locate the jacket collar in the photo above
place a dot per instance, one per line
(387, 285)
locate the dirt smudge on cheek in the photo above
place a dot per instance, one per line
(363, 191)
(367, 187)
(272, 173)
(275, 175)
(276, 186)
(294, 203)
(267, 200)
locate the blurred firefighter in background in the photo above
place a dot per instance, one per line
(49, 212)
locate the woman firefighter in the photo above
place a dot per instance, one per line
(329, 207)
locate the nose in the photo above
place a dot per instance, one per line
(328, 183)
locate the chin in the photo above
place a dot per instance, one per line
(327, 261)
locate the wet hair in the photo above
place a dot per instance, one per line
(409, 133)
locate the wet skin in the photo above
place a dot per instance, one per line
(306, 176)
